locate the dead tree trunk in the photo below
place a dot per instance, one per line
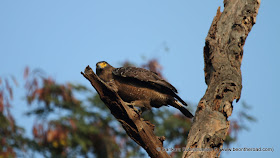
(223, 53)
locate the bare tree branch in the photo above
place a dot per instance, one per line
(139, 130)
(223, 54)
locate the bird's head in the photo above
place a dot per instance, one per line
(102, 65)
(104, 70)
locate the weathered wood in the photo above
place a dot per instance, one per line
(139, 130)
(223, 54)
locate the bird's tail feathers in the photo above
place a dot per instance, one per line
(179, 106)
(181, 100)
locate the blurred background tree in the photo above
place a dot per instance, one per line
(72, 121)
(12, 138)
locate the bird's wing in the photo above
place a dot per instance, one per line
(143, 75)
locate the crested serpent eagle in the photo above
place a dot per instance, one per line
(140, 87)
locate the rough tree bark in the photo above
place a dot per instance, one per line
(223, 54)
(137, 129)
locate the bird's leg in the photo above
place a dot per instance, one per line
(132, 105)
(142, 104)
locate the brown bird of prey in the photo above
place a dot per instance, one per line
(140, 87)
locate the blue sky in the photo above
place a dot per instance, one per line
(62, 37)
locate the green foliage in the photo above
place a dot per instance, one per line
(72, 121)
(77, 129)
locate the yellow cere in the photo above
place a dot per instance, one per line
(102, 65)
